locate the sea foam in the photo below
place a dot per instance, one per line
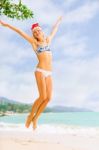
(51, 129)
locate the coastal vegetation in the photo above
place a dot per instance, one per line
(8, 106)
(14, 10)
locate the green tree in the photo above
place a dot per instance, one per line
(13, 10)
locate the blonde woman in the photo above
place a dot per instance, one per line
(43, 71)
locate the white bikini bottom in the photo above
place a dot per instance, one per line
(46, 73)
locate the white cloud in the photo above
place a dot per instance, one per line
(76, 81)
(72, 44)
(67, 4)
(17, 85)
(45, 12)
(83, 13)
(12, 51)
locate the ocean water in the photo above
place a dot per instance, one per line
(83, 123)
(87, 119)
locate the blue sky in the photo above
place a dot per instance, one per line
(75, 54)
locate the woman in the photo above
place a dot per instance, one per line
(43, 71)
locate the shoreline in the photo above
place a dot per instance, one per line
(48, 135)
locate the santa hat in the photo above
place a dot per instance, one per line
(35, 26)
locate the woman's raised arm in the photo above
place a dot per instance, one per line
(23, 34)
(54, 29)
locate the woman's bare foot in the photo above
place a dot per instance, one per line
(34, 123)
(28, 121)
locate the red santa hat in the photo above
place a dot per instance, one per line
(35, 26)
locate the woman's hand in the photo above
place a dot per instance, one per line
(3, 23)
(60, 19)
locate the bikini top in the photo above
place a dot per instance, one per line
(43, 49)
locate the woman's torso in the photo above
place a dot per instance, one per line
(44, 56)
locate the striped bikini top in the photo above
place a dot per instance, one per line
(41, 49)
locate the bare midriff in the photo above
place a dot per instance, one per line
(45, 60)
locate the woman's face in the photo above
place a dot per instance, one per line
(38, 33)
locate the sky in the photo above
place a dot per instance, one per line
(75, 51)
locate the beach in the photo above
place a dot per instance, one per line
(18, 143)
(61, 131)
(74, 138)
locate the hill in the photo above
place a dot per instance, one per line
(18, 107)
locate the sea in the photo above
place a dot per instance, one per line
(83, 123)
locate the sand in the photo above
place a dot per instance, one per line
(17, 140)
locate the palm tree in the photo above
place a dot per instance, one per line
(13, 10)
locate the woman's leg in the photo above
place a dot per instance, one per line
(43, 105)
(41, 84)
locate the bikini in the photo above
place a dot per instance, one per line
(39, 50)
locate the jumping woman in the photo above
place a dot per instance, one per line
(43, 71)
